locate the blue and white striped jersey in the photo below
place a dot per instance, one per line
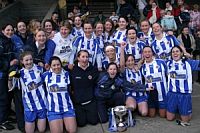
(180, 75)
(106, 61)
(108, 39)
(162, 48)
(33, 91)
(91, 45)
(57, 91)
(149, 38)
(133, 77)
(77, 32)
(135, 50)
(155, 76)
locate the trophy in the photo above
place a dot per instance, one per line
(120, 111)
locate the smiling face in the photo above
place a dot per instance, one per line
(8, 31)
(157, 29)
(64, 31)
(176, 54)
(83, 59)
(40, 37)
(130, 62)
(132, 36)
(148, 54)
(110, 53)
(108, 26)
(122, 23)
(145, 26)
(112, 71)
(87, 29)
(99, 29)
(77, 22)
(56, 66)
(48, 27)
(21, 27)
(27, 61)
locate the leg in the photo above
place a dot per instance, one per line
(70, 124)
(143, 108)
(170, 116)
(41, 124)
(152, 112)
(102, 111)
(162, 113)
(80, 115)
(185, 118)
(30, 127)
(56, 126)
(91, 113)
(131, 103)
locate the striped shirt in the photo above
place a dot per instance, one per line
(33, 91)
(57, 91)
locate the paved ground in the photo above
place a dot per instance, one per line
(152, 125)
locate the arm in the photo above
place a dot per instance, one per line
(122, 57)
(195, 64)
(50, 44)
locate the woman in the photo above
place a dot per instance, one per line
(63, 43)
(7, 59)
(108, 91)
(134, 46)
(49, 29)
(163, 43)
(108, 31)
(22, 31)
(84, 78)
(154, 14)
(180, 86)
(133, 76)
(89, 43)
(154, 72)
(60, 108)
(187, 40)
(77, 29)
(41, 48)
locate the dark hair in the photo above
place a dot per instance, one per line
(87, 22)
(21, 21)
(54, 58)
(178, 47)
(82, 51)
(124, 17)
(25, 53)
(54, 13)
(110, 21)
(127, 56)
(47, 20)
(4, 26)
(131, 28)
(157, 23)
(148, 47)
(112, 63)
(184, 28)
(145, 21)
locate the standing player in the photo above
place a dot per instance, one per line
(180, 86)
(60, 108)
(33, 94)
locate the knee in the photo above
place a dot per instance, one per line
(144, 113)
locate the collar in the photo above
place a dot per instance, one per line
(37, 45)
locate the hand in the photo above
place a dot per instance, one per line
(13, 62)
(70, 66)
(187, 55)
(47, 66)
(41, 64)
(123, 45)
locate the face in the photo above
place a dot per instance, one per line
(56, 66)
(147, 54)
(110, 53)
(55, 17)
(37, 25)
(130, 62)
(162, 13)
(21, 27)
(48, 27)
(40, 37)
(108, 26)
(112, 71)
(176, 54)
(83, 59)
(132, 36)
(77, 22)
(99, 29)
(167, 5)
(87, 29)
(27, 61)
(122, 24)
(153, 5)
(145, 27)
(157, 30)
(169, 13)
(185, 31)
(64, 31)
(8, 31)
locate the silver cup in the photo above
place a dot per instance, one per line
(120, 111)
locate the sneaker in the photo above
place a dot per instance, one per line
(11, 120)
(182, 123)
(6, 126)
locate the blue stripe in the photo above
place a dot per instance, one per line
(32, 74)
(60, 102)
(163, 45)
(41, 100)
(29, 94)
(22, 76)
(52, 102)
(69, 105)
(58, 78)
(119, 35)
(88, 44)
(151, 69)
(163, 90)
